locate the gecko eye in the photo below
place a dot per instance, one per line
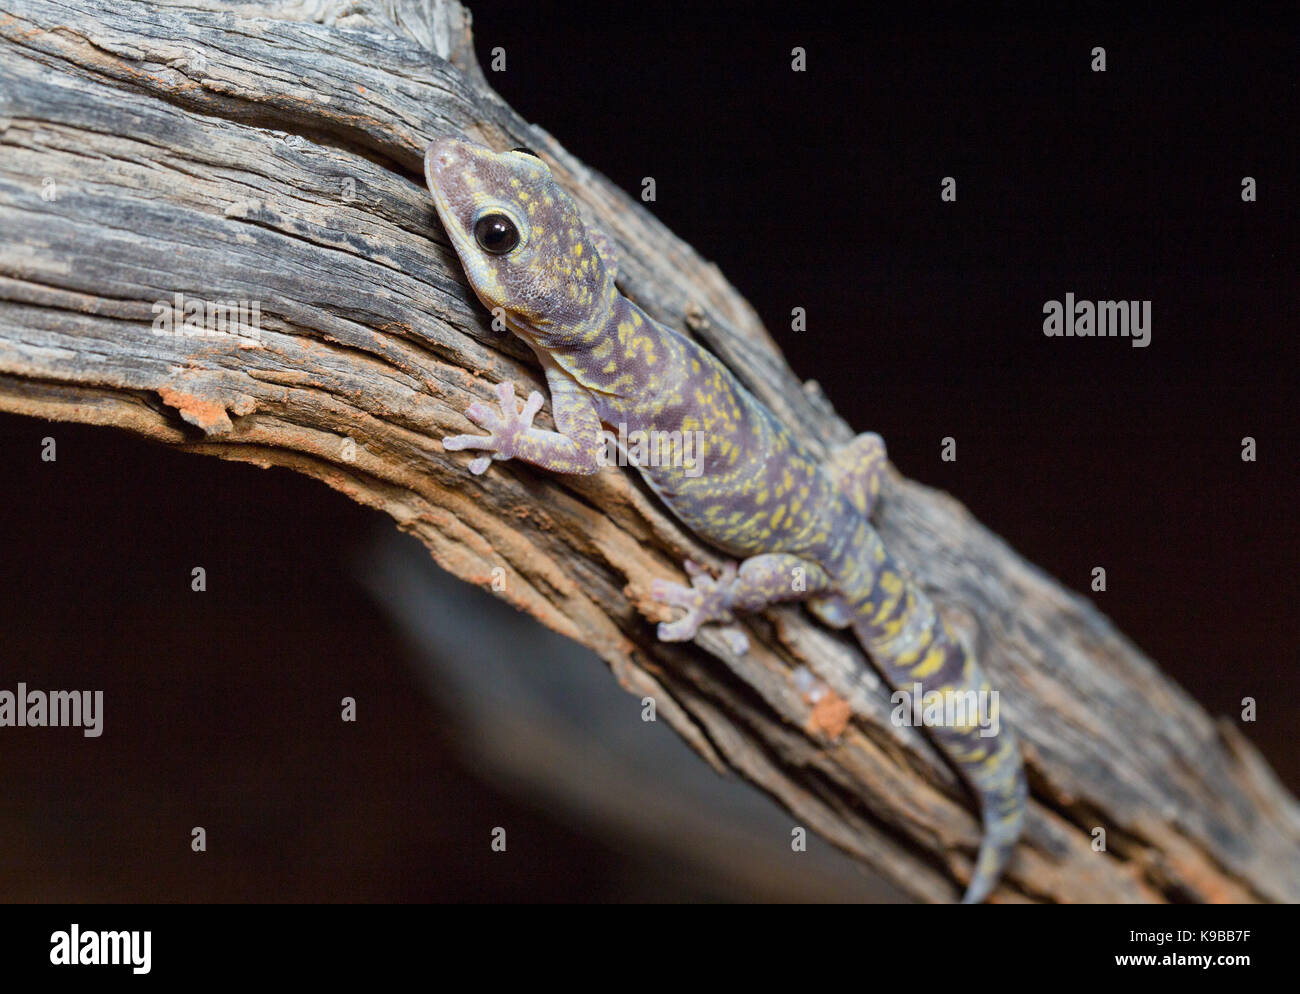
(496, 233)
(526, 151)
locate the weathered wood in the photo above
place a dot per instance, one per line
(251, 153)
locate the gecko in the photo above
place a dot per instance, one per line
(797, 524)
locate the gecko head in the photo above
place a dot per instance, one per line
(520, 238)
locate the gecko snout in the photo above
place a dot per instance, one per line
(440, 154)
(442, 161)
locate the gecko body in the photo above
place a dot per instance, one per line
(800, 524)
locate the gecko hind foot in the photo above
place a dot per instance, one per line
(705, 601)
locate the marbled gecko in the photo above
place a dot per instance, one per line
(754, 491)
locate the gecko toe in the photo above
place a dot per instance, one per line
(455, 443)
(483, 416)
(506, 396)
(673, 594)
(737, 641)
(694, 569)
(681, 630)
(531, 407)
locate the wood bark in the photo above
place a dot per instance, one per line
(271, 153)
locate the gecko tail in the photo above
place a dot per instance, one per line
(1003, 817)
(917, 654)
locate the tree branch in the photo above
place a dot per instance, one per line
(253, 154)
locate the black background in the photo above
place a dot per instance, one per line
(818, 190)
(821, 190)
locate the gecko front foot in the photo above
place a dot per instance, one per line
(706, 600)
(505, 427)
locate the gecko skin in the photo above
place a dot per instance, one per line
(798, 523)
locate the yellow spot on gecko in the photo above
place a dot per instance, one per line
(930, 665)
